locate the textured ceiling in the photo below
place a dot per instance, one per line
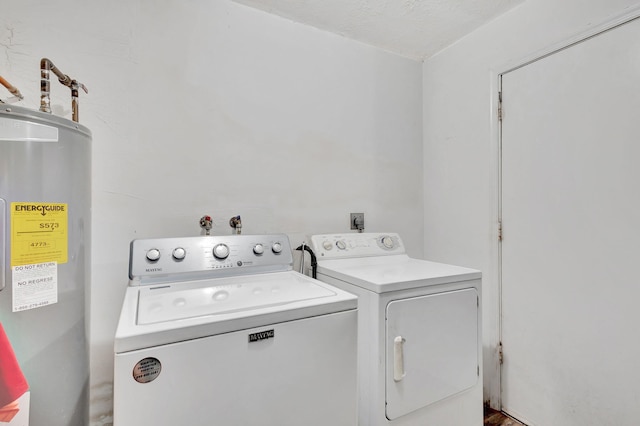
(416, 29)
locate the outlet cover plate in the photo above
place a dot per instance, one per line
(357, 217)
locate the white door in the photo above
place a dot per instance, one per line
(432, 349)
(571, 234)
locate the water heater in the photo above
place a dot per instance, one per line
(45, 200)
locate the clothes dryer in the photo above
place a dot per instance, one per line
(419, 331)
(222, 331)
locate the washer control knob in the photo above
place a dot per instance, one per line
(258, 249)
(153, 255)
(327, 245)
(276, 248)
(341, 245)
(387, 242)
(179, 253)
(221, 251)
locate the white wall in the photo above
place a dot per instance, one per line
(209, 107)
(460, 138)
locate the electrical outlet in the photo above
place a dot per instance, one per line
(357, 221)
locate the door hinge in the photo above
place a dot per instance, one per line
(499, 106)
(500, 354)
(499, 230)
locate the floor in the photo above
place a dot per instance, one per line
(496, 418)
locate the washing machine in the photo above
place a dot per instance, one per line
(221, 331)
(419, 331)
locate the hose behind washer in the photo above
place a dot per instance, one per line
(314, 262)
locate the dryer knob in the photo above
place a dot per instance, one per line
(258, 249)
(153, 255)
(221, 251)
(387, 241)
(327, 245)
(276, 248)
(341, 245)
(179, 253)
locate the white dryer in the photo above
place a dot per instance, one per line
(222, 331)
(419, 331)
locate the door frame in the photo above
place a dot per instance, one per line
(494, 398)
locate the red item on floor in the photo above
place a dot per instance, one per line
(12, 382)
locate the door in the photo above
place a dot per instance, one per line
(432, 349)
(571, 234)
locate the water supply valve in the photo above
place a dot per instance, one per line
(206, 223)
(236, 223)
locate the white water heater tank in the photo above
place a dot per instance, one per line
(45, 200)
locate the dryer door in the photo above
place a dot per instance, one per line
(431, 349)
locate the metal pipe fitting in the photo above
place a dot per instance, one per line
(206, 223)
(236, 223)
(46, 66)
(11, 88)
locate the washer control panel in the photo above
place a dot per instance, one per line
(337, 246)
(175, 259)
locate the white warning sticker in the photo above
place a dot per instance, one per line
(34, 286)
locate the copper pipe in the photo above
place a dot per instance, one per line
(45, 104)
(14, 91)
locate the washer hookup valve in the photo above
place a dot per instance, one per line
(236, 224)
(206, 223)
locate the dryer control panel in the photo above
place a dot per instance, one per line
(339, 246)
(177, 259)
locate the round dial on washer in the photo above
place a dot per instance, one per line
(221, 251)
(341, 245)
(179, 253)
(153, 255)
(387, 241)
(258, 249)
(327, 245)
(276, 248)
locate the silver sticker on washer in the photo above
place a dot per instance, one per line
(147, 370)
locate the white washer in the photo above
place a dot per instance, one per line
(419, 331)
(221, 330)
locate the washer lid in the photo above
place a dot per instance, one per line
(225, 296)
(381, 274)
(175, 312)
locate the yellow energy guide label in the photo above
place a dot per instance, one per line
(39, 233)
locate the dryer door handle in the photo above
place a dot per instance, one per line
(398, 358)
